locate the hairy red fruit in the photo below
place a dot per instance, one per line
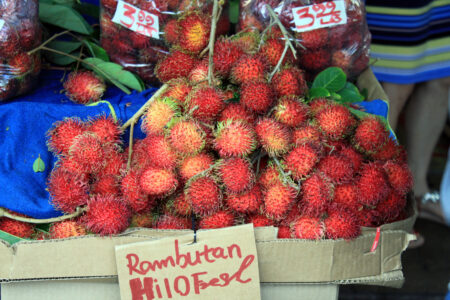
(260, 221)
(290, 81)
(106, 215)
(367, 217)
(226, 54)
(204, 196)
(390, 151)
(278, 199)
(20, 63)
(187, 138)
(193, 165)
(158, 115)
(274, 137)
(248, 69)
(235, 138)
(291, 112)
(172, 31)
(88, 153)
(178, 89)
(257, 96)
(159, 152)
(182, 206)
(293, 214)
(105, 128)
(208, 102)
(301, 160)
(399, 177)
(199, 73)
(236, 111)
(219, 219)
(272, 50)
(354, 156)
(177, 64)
(84, 87)
(132, 193)
(236, 174)
(372, 184)
(143, 220)
(65, 229)
(370, 135)
(248, 202)
(248, 41)
(341, 224)
(309, 228)
(67, 190)
(335, 121)
(105, 185)
(338, 168)
(158, 182)
(269, 176)
(342, 59)
(314, 39)
(317, 194)
(306, 134)
(390, 208)
(284, 232)
(173, 222)
(315, 60)
(347, 195)
(63, 134)
(194, 32)
(318, 104)
(16, 228)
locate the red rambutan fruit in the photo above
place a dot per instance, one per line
(274, 137)
(248, 69)
(159, 152)
(181, 205)
(257, 96)
(309, 228)
(177, 64)
(390, 208)
(108, 27)
(314, 39)
(390, 150)
(234, 138)
(269, 176)
(206, 103)
(178, 89)
(372, 184)
(260, 220)
(272, 50)
(335, 121)
(158, 182)
(218, 219)
(30, 34)
(199, 73)
(20, 63)
(172, 31)
(63, 133)
(318, 104)
(278, 199)
(158, 115)
(204, 196)
(140, 157)
(367, 217)
(306, 134)
(289, 81)
(347, 195)
(105, 185)
(247, 202)
(399, 176)
(173, 222)
(226, 54)
(284, 232)
(186, 137)
(293, 214)
(139, 40)
(370, 135)
(342, 59)
(354, 156)
(84, 87)
(236, 174)
(317, 194)
(193, 165)
(194, 32)
(105, 128)
(106, 215)
(291, 112)
(301, 160)
(16, 228)
(65, 229)
(67, 190)
(236, 111)
(144, 220)
(132, 193)
(338, 168)
(341, 224)
(315, 60)
(248, 41)
(88, 153)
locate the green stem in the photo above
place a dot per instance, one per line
(286, 178)
(79, 211)
(280, 61)
(282, 28)
(130, 147)
(48, 41)
(111, 108)
(212, 38)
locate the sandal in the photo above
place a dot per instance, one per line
(418, 242)
(430, 207)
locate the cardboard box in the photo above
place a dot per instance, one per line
(287, 267)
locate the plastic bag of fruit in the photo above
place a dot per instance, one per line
(136, 33)
(20, 32)
(334, 33)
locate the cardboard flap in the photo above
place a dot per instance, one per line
(268, 233)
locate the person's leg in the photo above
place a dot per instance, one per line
(398, 95)
(425, 117)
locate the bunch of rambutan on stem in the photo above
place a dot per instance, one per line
(324, 173)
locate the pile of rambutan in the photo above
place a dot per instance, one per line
(244, 143)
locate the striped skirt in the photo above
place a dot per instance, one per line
(410, 39)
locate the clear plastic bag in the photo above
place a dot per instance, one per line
(20, 32)
(137, 52)
(345, 45)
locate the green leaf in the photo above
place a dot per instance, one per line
(318, 92)
(64, 17)
(88, 9)
(114, 73)
(64, 46)
(96, 50)
(348, 95)
(234, 12)
(336, 96)
(11, 239)
(333, 79)
(38, 165)
(59, 59)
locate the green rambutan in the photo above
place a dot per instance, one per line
(236, 174)
(248, 202)
(248, 68)
(289, 81)
(335, 121)
(186, 137)
(218, 219)
(278, 199)
(256, 96)
(234, 138)
(177, 64)
(291, 112)
(158, 115)
(301, 160)
(274, 137)
(309, 228)
(204, 196)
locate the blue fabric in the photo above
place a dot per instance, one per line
(24, 122)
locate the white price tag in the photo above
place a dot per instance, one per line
(2, 22)
(326, 14)
(136, 19)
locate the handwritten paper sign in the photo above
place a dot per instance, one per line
(2, 22)
(326, 14)
(222, 264)
(136, 19)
